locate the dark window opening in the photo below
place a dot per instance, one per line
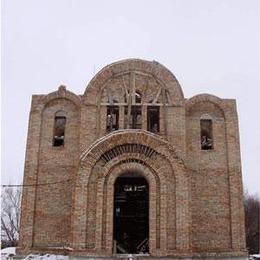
(136, 114)
(112, 118)
(131, 215)
(138, 97)
(59, 130)
(206, 134)
(153, 119)
(135, 117)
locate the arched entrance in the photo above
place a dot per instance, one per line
(131, 152)
(131, 214)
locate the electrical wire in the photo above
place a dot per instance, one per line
(34, 185)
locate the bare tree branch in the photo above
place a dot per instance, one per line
(10, 215)
(252, 222)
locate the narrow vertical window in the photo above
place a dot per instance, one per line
(136, 115)
(153, 119)
(59, 130)
(112, 118)
(135, 120)
(206, 134)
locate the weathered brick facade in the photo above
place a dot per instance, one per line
(195, 195)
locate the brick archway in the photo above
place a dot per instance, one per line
(155, 202)
(158, 162)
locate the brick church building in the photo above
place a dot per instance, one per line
(133, 167)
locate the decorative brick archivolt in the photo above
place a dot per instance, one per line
(130, 136)
(158, 162)
(158, 71)
(105, 205)
(190, 103)
(61, 93)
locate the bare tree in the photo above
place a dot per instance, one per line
(10, 215)
(252, 222)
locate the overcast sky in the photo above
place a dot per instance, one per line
(210, 46)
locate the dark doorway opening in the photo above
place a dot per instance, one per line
(131, 214)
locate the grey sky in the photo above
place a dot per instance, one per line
(210, 46)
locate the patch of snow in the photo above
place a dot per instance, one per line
(46, 257)
(7, 252)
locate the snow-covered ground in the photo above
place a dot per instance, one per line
(8, 252)
(46, 257)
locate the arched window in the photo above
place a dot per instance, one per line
(206, 134)
(59, 128)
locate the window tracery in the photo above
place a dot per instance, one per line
(137, 96)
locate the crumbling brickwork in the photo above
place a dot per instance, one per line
(134, 118)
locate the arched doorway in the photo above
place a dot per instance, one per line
(131, 214)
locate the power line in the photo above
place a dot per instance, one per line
(34, 185)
